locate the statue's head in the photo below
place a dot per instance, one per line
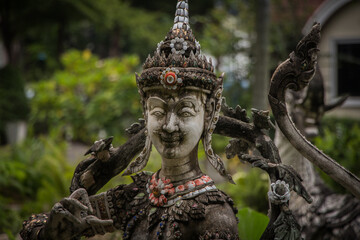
(176, 121)
(181, 97)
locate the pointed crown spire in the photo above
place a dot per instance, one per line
(177, 61)
(180, 39)
(181, 15)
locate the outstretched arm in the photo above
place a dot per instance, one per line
(70, 218)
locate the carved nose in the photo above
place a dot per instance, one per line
(171, 124)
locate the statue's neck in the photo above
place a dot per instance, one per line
(181, 168)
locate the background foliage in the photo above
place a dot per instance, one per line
(33, 176)
(86, 98)
(339, 138)
(76, 62)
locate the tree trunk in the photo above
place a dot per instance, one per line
(60, 38)
(261, 73)
(7, 34)
(114, 49)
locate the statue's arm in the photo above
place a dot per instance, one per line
(75, 216)
(92, 173)
(33, 226)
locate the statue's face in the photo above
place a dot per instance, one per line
(175, 123)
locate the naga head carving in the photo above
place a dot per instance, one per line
(304, 57)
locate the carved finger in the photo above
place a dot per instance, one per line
(58, 211)
(82, 196)
(73, 205)
(78, 193)
(92, 220)
(98, 225)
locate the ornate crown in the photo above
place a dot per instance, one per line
(177, 61)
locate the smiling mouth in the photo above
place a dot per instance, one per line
(170, 140)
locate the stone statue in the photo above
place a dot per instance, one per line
(182, 99)
(331, 215)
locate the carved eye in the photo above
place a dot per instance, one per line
(158, 114)
(186, 114)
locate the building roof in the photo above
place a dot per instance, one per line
(324, 12)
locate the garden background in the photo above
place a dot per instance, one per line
(67, 72)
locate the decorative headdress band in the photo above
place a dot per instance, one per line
(177, 61)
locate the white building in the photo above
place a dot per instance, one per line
(339, 58)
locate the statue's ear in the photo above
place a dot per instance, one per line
(209, 108)
(213, 105)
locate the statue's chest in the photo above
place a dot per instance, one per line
(178, 221)
(160, 210)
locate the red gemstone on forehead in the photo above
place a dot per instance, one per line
(170, 78)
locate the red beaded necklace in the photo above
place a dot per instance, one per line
(163, 192)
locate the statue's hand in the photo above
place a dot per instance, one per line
(72, 217)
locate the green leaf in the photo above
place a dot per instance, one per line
(251, 224)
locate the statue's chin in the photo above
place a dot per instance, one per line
(177, 151)
(169, 153)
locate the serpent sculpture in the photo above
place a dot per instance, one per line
(331, 215)
(295, 73)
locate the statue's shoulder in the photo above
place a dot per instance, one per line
(125, 194)
(220, 219)
(137, 186)
(141, 178)
(215, 198)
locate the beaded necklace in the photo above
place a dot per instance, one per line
(163, 193)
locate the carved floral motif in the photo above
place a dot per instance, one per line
(169, 78)
(279, 192)
(178, 45)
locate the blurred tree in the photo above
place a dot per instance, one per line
(286, 22)
(20, 17)
(261, 76)
(36, 33)
(225, 35)
(88, 98)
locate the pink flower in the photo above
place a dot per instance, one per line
(156, 201)
(153, 177)
(158, 189)
(168, 186)
(162, 200)
(171, 191)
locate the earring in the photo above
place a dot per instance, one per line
(212, 157)
(140, 161)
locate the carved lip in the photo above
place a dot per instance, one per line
(170, 140)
